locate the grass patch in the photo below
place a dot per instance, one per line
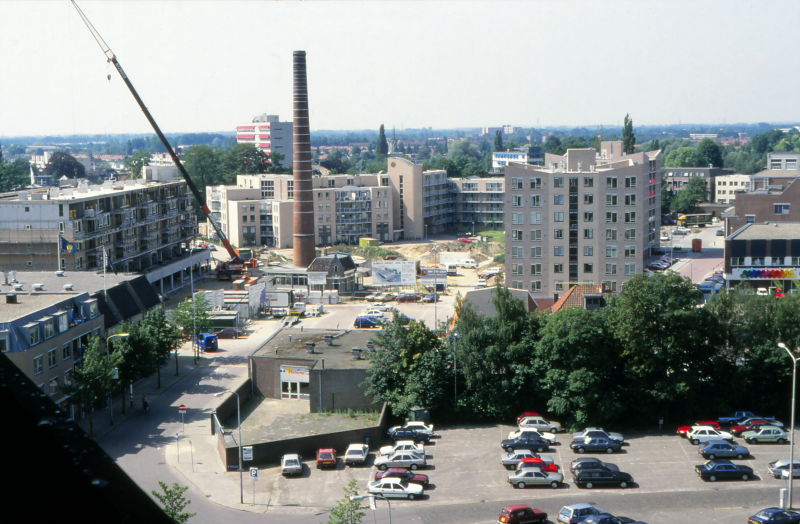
(494, 236)
(366, 417)
(501, 258)
(370, 253)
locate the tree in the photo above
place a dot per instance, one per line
(163, 337)
(628, 138)
(711, 152)
(204, 166)
(174, 502)
(243, 159)
(136, 162)
(383, 144)
(656, 146)
(14, 175)
(685, 157)
(498, 141)
(687, 198)
(64, 164)
(191, 313)
(347, 511)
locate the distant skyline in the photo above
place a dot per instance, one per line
(208, 66)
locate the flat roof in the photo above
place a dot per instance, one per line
(769, 231)
(27, 304)
(81, 280)
(337, 356)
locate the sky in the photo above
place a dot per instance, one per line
(205, 66)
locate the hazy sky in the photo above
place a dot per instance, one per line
(208, 66)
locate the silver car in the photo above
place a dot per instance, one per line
(598, 433)
(291, 465)
(400, 459)
(530, 432)
(780, 468)
(515, 457)
(535, 477)
(722, 449)
(532, 422)
(403, 445)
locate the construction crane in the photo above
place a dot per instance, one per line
(234, 266)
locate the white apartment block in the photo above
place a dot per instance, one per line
(269, 134)
(784, 161)
(582, 218)
(726, 187)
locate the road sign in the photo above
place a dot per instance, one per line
(247, 453)
(254, 472)
(182, 408)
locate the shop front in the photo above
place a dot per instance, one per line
(294, 382)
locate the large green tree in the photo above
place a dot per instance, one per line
(685, 157)
(64, 164)
(711, 152)
(163, 337)
(136, 162)
(191, 316)
(498, 141)
(695, 192)
(244, 159)
(628, 138)
(383, 145)
(14, 175)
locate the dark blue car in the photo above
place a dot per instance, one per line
(723, 469)
(363, 322)
(783, 516)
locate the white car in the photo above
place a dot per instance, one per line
(380, 306)
(403, 445)
(416, 425)
(536, 422)
(492, 271)
(699, 434)
(400, 459)
(291, 465)
(356, 454)
(531, 432)
(394, 487)
(372, 312)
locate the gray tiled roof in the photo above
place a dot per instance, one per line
(769, 231)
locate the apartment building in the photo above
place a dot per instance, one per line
(524, 155)
(678, 178)
(726, 187)
(269, 134)
(586, 217)
(141, 223)
(479, 204)
(764, 255)
(782, 161)
(781, 203)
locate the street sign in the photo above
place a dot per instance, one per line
(247, 453)
(182, 408)
(254, 472)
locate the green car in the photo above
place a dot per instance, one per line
(765, 434)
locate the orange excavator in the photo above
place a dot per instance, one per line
(235, 266)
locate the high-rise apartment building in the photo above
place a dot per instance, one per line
(582, 218)
(269, 134)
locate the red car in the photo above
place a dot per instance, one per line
(752, 425)
(409, 476)
(408, 297)
(326, 457)
(685, 429)
(521, 514)
(526, 414)
(464, 240)
(548, 467)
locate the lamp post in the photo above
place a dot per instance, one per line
(435, 289)
(426, 231)
(791, 438)
(455, 370)
(239, 418)
(362, 497)
(194, 311)
(110, 403)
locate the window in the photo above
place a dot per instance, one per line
(611, 269)
(588, 199)
(48, 329)
(51, 358)
(557, 200)
(630, 217)
(516, 269)
(588, 233)
(630, 251)
(611, 217)
(611, 251)
(739, 261)
(558, 251)
(781, 209)
(758, 261)
(516, 235)
(536, 217)
(588, 181)
(66, 350)
(558, 233)
(516, 218)
(536, 286)
(750, 219)
(630, 182)
(516, 200)
(536, 200)
(611, 234)
(630, 269)
(536, 183)
(68, 378)
(37, 365)
(536, 269)
(516, 183)
(573, 181)
(558, 181)
(558, 216)
(611, 200)
(33, 334)
(536, 252)
(777, 261)
(630, 199)
(517, 252)
(588, 251)
(4, 341)
(588, 268)
(536, 235)
(63, 323)
(630, 234)
(559, 285)
(588, 216)
(54, 387)
(611, 182)
(611, 285)
(517, 284)
(93, 309)
(558, 268)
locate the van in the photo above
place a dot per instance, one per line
(452, 269)
(468, 264)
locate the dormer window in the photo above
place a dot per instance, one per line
(33, 332)
(49, 329)
(63, 321)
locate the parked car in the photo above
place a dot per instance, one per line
(720, 232)
(403, 445)
(681, 231)
(356, 455)
(705, 433)
(741, 428)
(512, 458)
(537, 463)
(721, 448)
(416, 425)
(409, 434)
(364, 322)
(534, 443)
(590, 478)
(387, 297)
(780, 468)
(657, 266)
(776, 515)
(591, 463)
(465, 240)
(595, 444)
(394, 488)
(291, 465)
(738, 416)
(598, 433)
(538, 423)
(372, 312)
(400, 459)
(381, 306)
(535, 477)
(723, 469)
(372, 298)
(408, 297)
(607, 518)
(326, 458)
(709, 287)
(403, 474)
(527, 432)
(521, 514)
(765, 434)
(430, 297)
(229, 333)
(577, 512)
(525, 415)
(683, 430)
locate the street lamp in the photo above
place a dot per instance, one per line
(435, 288)
(239, 418)
(791, 438)
(426, 231)
(372, 496)
(110, 397)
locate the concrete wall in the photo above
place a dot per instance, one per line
(227, 408)
(266, 375)
(341, 389)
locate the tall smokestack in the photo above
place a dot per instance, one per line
(303, 194)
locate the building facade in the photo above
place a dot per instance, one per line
(678, 178)
(764, 255)
(726, 187)
(783, 161)
(584, 218)
(769, 205)
(522, 155)
(269, 134)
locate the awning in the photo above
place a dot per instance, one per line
(245, 136)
